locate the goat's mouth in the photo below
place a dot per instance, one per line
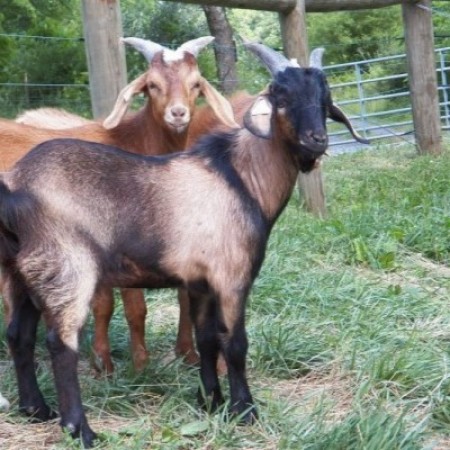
(313, 146)
(177, 126)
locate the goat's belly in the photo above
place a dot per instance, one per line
(131, 274)
(150, 280)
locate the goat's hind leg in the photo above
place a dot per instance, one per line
(64, 328)
(66, 296)
(203, 310)
(21, 335)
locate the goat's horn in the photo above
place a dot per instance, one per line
(194, 46)
(315, 58)
(274, 61)
(147, 48)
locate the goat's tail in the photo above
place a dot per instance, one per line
(9, 223)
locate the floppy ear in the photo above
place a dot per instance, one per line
(220, 105)
(335, 113)
(258, 118)
(124, 100)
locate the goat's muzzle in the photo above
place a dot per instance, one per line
(315, 142)
(177, 117)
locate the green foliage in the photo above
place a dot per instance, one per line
(356, 35)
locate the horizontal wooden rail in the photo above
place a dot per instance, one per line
(285, 6)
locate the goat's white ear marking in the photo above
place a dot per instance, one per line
(258, 118)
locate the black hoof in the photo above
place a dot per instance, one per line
(211, 402)
(82, 432)
(38, 413)
(244, 416)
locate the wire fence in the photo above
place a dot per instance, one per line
(373, 92)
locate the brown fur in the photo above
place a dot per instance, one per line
(200, 220)
(149, 132)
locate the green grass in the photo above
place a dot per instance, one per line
(348, 324)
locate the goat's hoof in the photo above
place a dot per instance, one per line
(103, 366)
(82, 432)
(190, 357)
(38, 413)
(212, 401)
(140, 360)
(247, 416)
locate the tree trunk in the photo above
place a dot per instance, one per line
(423, 85)
(224, 48)
(102, 27)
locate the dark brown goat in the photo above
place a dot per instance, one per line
(198, 220)
(172, 84)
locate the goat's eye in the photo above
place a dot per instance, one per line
(196, 85)
(281, 103)
(153, 86)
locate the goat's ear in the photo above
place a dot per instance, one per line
(335, 113)
(258, 118)
(124, 100)
(220, 105)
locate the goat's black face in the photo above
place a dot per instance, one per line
(301, 98)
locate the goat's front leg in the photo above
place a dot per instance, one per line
(102, 308)
(21, 334)
(204, 313)
(234, 345)
(185, 343)
(135, 312)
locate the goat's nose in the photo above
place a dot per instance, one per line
(320, 139)
(178, 111)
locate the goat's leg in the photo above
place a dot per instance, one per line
(62, 342)
(135, 312)
(102, 308)
(234, 345)
(185, 341)
(204, 315)
(21, 335)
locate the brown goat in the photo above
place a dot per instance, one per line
(198, 220)
(172, 84)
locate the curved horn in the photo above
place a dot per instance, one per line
(274, 61)
(336, 114)
(194, 46)
(315, 58)
(147, 48)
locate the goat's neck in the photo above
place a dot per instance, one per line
(144, 135)
(269, 171)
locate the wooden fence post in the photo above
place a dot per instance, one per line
(419, 43)
(295, 43)
(102, 26)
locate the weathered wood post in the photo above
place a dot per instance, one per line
(419, 43)
(295, 43)
(102, 26)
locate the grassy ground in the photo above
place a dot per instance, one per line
(348, 324)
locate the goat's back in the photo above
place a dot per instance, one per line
(174, 214)
(17, 139)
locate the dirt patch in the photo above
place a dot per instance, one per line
(332, 390)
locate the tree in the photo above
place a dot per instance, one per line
(224, 47)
